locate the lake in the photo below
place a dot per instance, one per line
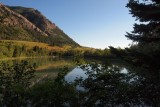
(103, 83)
(50, 66)
(47, 67)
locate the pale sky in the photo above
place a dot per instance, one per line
(91, 23)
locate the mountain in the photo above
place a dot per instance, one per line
(21, 23)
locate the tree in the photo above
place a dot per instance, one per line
(147, 31)
(148, 13)
(17, 51)
(15, 82)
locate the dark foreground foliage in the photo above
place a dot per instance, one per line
(15, 83)
(105, 85)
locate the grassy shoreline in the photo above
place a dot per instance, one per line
(11, 58)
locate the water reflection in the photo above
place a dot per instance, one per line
(103, 84)
(47, 67)
(112, 85)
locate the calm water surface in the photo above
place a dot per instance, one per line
(50, 67)
(106, 83)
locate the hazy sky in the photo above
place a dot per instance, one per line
(92, 23)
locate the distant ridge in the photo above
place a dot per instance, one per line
(21, 23)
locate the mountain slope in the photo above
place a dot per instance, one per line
(21, 23)
(14, 25)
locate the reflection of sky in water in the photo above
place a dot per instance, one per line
(78, 73)
(75, 73)
(124, 70)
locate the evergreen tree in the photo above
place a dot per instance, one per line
(147, 12)
(146, 32)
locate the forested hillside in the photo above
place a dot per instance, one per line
(14, 49)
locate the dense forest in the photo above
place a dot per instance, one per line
(15, 49)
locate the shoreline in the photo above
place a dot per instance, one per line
(11, 58)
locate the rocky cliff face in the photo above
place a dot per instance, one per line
(29, 24)
(35, 17)
(11, 18)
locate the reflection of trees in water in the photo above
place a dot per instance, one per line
(39, 61)
(107, 85)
